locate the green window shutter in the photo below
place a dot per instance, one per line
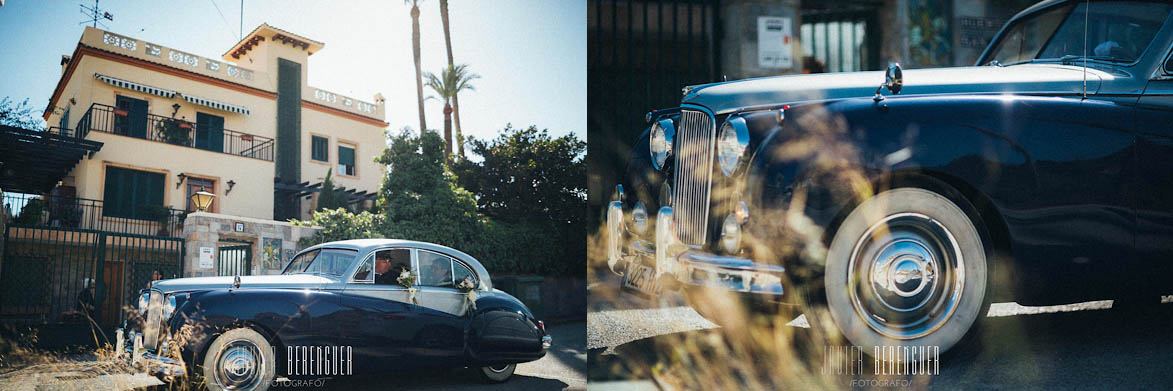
(112, 194)
(129, 193)
(346, 160)
(320, 148)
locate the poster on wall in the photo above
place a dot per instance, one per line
(271, 252)
(207, 257)
(774, 43)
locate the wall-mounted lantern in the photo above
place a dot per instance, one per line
(202, 199)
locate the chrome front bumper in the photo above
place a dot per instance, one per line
(129, 347)
(683, 263)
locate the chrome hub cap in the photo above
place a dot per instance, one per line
(905, 276)
(499, 369)
(239, 365)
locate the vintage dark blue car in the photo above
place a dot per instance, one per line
(1042, 175)
(338, 309)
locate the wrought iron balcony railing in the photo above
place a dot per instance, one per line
(109, 119)
(73, 212)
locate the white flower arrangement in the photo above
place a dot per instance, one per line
(407, 279)
(470, 292)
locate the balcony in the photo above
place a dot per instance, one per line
(72, 212)
(109, 119)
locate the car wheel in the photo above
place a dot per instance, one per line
(908, 268)
(240, 359)
(496, 373)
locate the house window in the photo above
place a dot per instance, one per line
(319, 148)
(209, 133)
(194, 185)
(130, 117)
(346, 160)
(132, 194)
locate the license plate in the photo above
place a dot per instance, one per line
(641, 279)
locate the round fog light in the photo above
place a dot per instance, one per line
(639, 218)
(731, 234)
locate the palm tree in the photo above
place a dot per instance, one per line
(455, 101)
(450, 82)
(415, 51)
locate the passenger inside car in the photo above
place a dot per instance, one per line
(437, 270)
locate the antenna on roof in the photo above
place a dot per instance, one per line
(95, 14)
(1086, 9)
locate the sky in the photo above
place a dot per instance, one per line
(531, 55)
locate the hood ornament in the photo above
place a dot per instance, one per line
(236, 282)
(893, 81)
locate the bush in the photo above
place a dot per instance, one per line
(32, 212)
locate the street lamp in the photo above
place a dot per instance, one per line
(202, 199)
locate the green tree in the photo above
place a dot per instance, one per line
(533, 185)
(328, 197)
(450, 82)
(420, 200)
(19, 115)
(415, 52)
(452, 64)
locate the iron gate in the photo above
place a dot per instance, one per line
(640, 53)
(47, 273)
(234, 260)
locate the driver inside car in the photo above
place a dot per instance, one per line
(383, 273)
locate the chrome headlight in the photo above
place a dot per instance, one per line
(169, 307)
(731, 234)
(731, 144)
(143, 300)
(660, 142)
(639, 218)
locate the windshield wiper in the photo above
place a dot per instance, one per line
(1069, 59)
(1072, 59)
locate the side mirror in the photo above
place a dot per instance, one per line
(894, 78)
(893, 81)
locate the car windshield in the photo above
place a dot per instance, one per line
(1117, 32)
(327, 262)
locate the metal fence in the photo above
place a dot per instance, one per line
(103, 118)
(64, 275)
(639, 56)
(73, 212)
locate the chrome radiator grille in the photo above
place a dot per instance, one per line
(695, 142)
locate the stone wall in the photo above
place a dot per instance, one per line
(271, 243)
(739, 41)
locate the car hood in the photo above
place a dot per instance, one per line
(1026, 78)
(224, 282)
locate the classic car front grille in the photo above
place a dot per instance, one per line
(695, 138)
(154, 320)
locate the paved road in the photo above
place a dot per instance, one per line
(563, 368)
(1078, 346)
